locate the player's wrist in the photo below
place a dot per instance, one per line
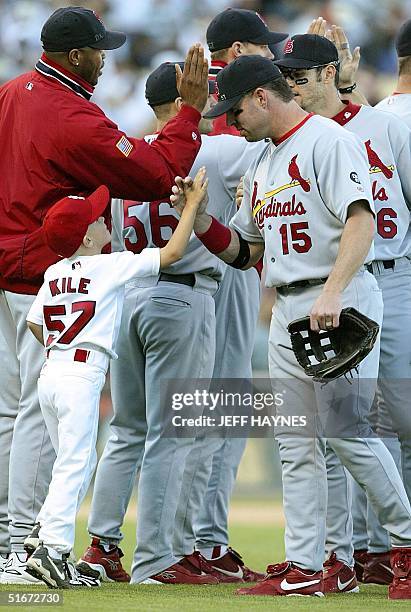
(215, 236)
(348, 87)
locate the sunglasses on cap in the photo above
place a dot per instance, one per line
(289, 73)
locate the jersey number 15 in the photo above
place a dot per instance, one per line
(294, 233)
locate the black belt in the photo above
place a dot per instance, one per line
(312, 282)
(388, 264)
(182, 279)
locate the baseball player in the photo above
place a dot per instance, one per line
(388, 146)
(232, 33)
(167, 332)
(370, 539)
(308, 198)
(76, 314)
(398, 102)
(44, 160)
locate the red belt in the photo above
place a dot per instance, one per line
(79, 355)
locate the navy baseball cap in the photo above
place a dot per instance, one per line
(308, 51)
(241, 76)
(242, 25)
(403, 40)
(75, 27)
(161, 84)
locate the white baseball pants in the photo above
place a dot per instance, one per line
(69, 394)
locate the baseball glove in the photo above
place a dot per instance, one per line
(329, 354)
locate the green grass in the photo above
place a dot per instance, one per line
(259, 544)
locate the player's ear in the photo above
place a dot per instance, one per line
(87, 241)
(179, 103)
(329, 73)
(261, 97)
(74, 57)
(237, 48)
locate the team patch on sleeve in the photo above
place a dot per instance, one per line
(124, 146)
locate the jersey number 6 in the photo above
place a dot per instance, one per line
(300, 240)
(86, 310)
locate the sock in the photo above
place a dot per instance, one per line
(208, 552)
(108, 545)
(54, 554)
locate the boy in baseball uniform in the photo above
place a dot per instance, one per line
(76, 315)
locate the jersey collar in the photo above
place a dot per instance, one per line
(216, 66)
(347, 113)
(52, 70)
(293, 130)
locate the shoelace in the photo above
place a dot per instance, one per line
(275, 569)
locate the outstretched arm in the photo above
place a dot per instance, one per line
(222, 241)
(195, 194)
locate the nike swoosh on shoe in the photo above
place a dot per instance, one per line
(238, 574)
(286, 586)
(343, 585)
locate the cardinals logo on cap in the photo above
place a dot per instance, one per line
(295, 175)
(289, 46)
(375, 161)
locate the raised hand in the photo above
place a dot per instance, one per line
(317, 26)
(192, 82)
(349, 62)
(189, 192)
(195, 192)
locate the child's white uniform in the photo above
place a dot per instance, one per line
(79, 307)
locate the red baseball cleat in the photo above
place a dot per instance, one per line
(377, 569)
(106, 564)
(400, 588)
(183, 572)
(232, 565)
(201, 564)
(339, 577)
(287, 579)
(360, 559)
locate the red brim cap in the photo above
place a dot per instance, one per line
(99, 201)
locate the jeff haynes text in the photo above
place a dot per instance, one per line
(236, 420)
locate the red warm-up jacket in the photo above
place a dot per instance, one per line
(55, 142)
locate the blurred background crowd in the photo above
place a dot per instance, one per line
(162, 30)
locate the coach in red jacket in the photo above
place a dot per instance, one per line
(55, 142)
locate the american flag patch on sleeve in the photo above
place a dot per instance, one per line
(124, 146)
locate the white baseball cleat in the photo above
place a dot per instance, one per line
(15, 571)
